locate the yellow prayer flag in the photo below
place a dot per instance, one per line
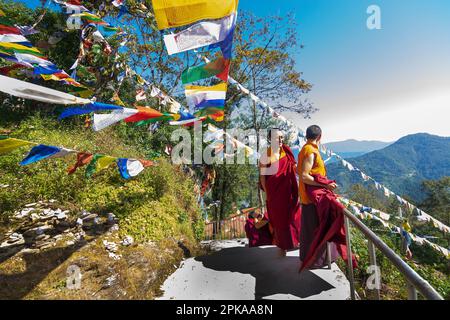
(104, 162)
(2, 14)
(9, 144)
(176, 13)
(140, 80)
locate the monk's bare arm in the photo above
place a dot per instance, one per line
(306, 178)
(306, 168)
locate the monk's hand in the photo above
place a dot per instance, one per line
(331, 186)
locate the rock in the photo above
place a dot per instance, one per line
(30, 205)
(90, 217)
(45, 245)
(42, 237)
(30, 250)
(127, 241)
(110, 281)
(23, 213)
(111, 218)
(110, 246)
(114, 256)
(63, 225)
(62, 215)
(14, 239)
(115, 227)
(36, 231)
(85, 213)
(47, 214)
(79, 222)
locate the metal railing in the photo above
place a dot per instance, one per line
(414, 281)
(230, 228)
(234, 227)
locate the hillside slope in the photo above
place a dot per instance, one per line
(158, 210)
(401, 166)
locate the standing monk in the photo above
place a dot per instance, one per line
(310, 163)
(279, 182)
(322, 213)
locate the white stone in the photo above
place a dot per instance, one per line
(127, 241)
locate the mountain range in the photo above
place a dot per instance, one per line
(353, 148)
(402, 166)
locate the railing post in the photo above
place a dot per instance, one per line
(349, 258)
(373, 262)
(412, 292)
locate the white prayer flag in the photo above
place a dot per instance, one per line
(199, 35)
(102, 121)
(31, 91)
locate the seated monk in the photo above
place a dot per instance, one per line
(257, 229)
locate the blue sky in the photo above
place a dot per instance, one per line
(371, 84)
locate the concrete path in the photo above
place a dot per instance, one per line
(235, 272)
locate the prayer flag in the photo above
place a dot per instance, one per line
(90, 18)
(140, 95)
(144, 113)
(176, 13)
(102, 121)
(13, 38)
(83, 159)
(206, 100)
(219, 67)
(201, 34)
(9, 144)
(41, 152)
(88, 108)
(98, 163)
(129, 168)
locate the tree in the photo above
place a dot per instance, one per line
(437, 201)
(360, 194)
(264, 63)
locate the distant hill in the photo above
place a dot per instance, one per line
(401, 166)
(355, 146)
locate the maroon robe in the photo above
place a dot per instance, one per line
(258, 237)
(331, 227)
(282, 202)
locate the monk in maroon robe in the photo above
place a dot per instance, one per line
(257, 229)
(330, 213)
(278, 180)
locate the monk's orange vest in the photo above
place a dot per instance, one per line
(318, 168)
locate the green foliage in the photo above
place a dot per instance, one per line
(429, 264)
(437, 201)
(161, 192)
(362, 195)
